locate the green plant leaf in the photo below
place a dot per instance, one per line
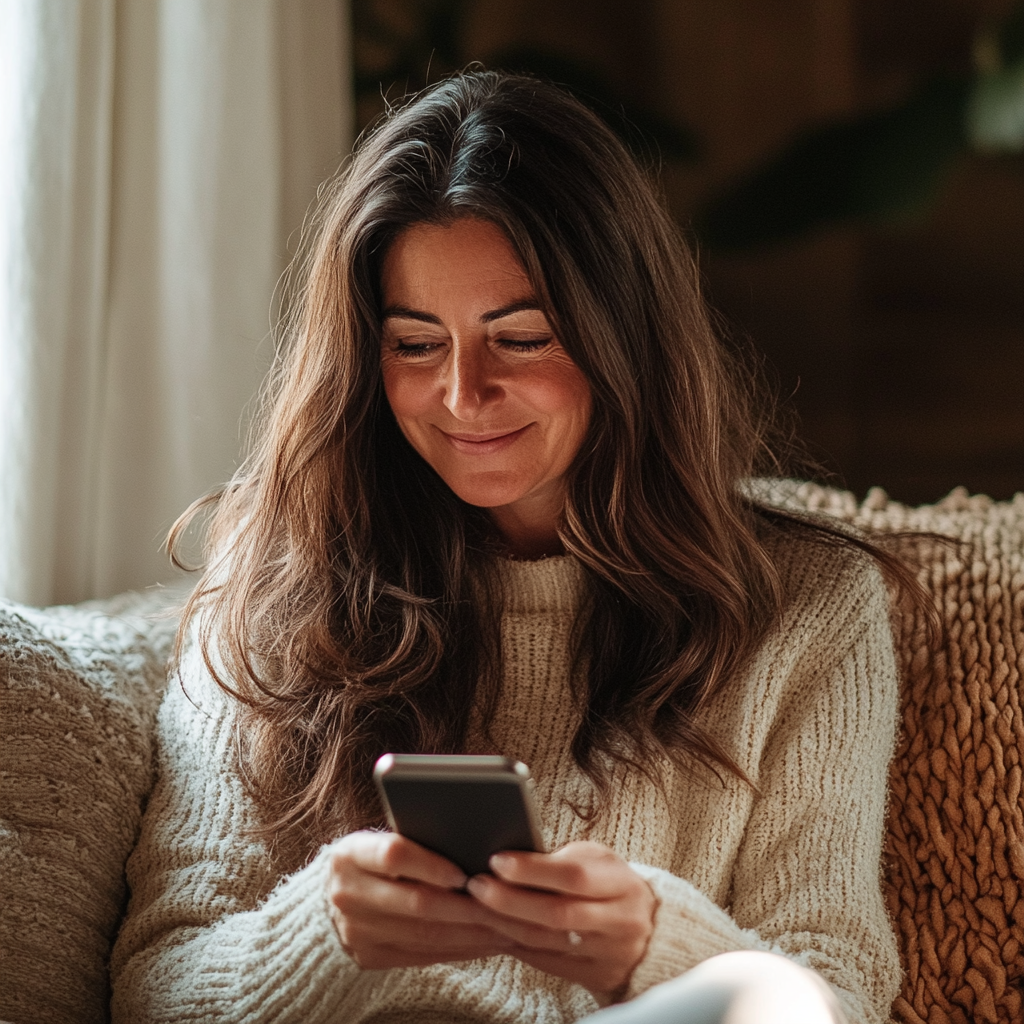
(995, 112)
(882, 165)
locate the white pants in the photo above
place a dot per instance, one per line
(732, 988)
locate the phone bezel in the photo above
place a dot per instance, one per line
(460, 768)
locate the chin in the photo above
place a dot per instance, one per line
(486, 495)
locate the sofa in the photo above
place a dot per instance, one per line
(79, 688)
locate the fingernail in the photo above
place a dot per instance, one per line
(475, 885)
(500, 862)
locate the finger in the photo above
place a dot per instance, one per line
(551, 910)
(366, 894)
(394, 856)
(363, 926)
(580, 869)
(564, 942)
(364, 942)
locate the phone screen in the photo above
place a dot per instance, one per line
(465, 814)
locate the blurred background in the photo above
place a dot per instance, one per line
(851, 172)
(822, 155)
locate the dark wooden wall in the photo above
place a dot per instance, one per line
(903, 345)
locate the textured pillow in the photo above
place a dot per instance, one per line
(79, 688)
(954, 878)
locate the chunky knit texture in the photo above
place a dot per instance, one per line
(954, 851)
(215, 932)
(79, 689)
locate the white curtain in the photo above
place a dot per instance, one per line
(156, 161)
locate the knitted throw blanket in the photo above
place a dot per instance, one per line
(954, 873)
(79, 689)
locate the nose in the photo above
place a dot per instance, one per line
(471, 385)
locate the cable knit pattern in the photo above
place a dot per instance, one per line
(214, 932)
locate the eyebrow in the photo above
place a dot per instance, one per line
(519, 306)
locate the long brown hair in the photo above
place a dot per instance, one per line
(350, 605)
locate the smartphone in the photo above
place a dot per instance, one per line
(465, 807)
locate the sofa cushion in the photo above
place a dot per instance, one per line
(79, 688)
(954, 873)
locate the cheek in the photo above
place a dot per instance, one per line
(564, 397)
(408, 396)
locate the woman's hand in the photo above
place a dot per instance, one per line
(590, 924)
(396, 904)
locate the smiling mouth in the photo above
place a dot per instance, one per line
(484, 444)
(483, 438)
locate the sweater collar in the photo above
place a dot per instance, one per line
(548, 585)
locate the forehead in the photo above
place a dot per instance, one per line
(470, 262)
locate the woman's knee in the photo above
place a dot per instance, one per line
(734, 988)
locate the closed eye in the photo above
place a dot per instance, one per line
(420, 349)
(413, 350)
(531, 345)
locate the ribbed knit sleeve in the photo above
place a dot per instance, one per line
(805, 882)
(208, 936)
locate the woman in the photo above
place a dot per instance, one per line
(498, 505)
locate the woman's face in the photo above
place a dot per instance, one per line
(478, 383)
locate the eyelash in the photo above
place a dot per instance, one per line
(532, 345)
(417, 350)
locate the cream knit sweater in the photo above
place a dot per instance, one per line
(214, 932)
